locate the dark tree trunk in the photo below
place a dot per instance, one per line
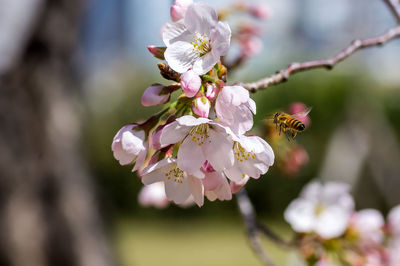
(48, 212)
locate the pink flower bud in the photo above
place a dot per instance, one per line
(155, 139)
(178, 9)
(151, 96)
(298, 108)
(191, 83)
(212, 92)
(201, 106)
(157, 52)
(261, 11)
(251, 45)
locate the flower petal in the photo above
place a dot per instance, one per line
(140, 159)
(235, 174)
(200, 17)
(218, 150)
(332, 222)
(189, 120)
(173, 133)
(197, 190)
(176, 191)
(180, 56)
(173, 31)
(221, 38)
(190, 156)
(205, 63)
(300, 215)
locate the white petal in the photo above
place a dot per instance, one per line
(300, 215)
(312, 191)
(200, 17)
(394, 220)
(205, 63)
(140, 159)
(189, 120)
(332, 222)
(221, 38)
(153, 177)
(218, 150)
(173, 133)
(235, 174)
(190, 156)
(121, 155)
(161, 164)
(180, 56)
(172, 30)
(177, 192)
(251, 104)
(132, 142)
(197, 190)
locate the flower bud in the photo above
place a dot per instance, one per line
(157, 52)
(178, 9)
(260, 11)
(191, 83)
(201, 106)
(128, 144)
(152, 95)
(211, 92)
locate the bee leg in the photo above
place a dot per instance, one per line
(294, 134)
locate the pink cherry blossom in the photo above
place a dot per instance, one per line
(253, 157)
(197, 41)
(323, 209)
(153, 195)
(216, 185)
(202, 140)
(152, 95)
(128, 145)
(251, 45)
(191, 83)
(201, 106)
(235, 109)
(261, 11)
(179, 185)
(178, 9)
(212, 92)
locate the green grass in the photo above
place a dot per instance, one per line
(163, 242)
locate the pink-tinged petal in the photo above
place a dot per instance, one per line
(211, 195)
(218, 150)
(234, 95)
(197, 190)
(213, 180)
(180, 56)
(224, 191)
(312, 191)
(200, 17)
(332, 222)
(191, 83)
(220, 38)
(191, 121)
(173, 133)
(123, 157)
(394, 220)
(212, 92)
(205, 63)
(172, 30)
(167, 162)
(369, 223)
(242, 120)
(132, 142)
(251, 104)
(178, 9)
(300, 215)
(151, 96)
(176, 191)
(190, 156)
(235, 174)
(157, 175)
(237, 186)
(153, 195)
(201, 106)
(140, 159)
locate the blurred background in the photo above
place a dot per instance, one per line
(72, 74)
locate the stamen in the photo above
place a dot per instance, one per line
(200, 134)
(201, 44)
(241, 154)
(177, 174)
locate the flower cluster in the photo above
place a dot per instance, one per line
(329, 228)
(198, 145)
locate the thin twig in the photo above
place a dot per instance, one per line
(394, 6)
(254, 228)
(329, 63)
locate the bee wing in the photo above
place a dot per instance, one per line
(303, 113)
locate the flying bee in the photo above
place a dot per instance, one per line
(290, 123)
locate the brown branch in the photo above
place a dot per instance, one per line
(254, 228)
(284, 74)
(394, 6)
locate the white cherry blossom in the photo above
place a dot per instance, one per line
(253, 157)
(197, 41)
(202, 140)
(235, 109)
(179, 185)
(153, 195)
(394, 221)
(368, 224)
(323, 209)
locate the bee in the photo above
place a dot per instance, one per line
(290, 123)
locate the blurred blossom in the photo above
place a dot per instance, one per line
(128, 145)
(197, 41)
(368, 225)
(261, 11)
(296, 158)
(299, 107)
(323, 209)
(237, 186)
(201, 106)
(393, 251)
(153, 195)
(394, 221)
(191, 83)
(178, 9)
(251, 45)
(152, 96)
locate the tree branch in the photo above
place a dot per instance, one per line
(284, 74)
(394, 6)
(253, 228)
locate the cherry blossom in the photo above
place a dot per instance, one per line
(212, 92)
(235, 109)
(197, 41)
(179, 185)
(394, 221)
(368, 224)
(178, 9)
(201, 106)
(253, 157)
(323, 209)
(128, 145)
(202, 139)
(216, 185)
(153, 195)
(152, 96)
(191, 83)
